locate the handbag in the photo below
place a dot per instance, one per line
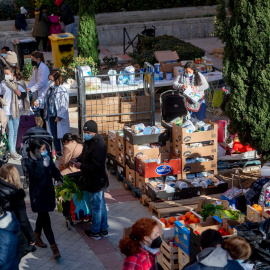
(194, 106)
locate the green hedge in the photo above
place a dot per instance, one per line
(146, 47)
(8, 10)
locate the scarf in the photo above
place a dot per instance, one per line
(26, 100)
(15, 104)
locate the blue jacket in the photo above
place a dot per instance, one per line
(9, 227)
(214, 259)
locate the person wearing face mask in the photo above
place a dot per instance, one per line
(56, 110)
(39, 83)
(41, 171)
(141, 246)
(191, 77)
(14, 94)
(94, 178)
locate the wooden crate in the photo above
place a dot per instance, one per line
(169, 264)
(145, 200)
(169, 250)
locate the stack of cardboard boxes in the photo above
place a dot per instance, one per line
(114, 112)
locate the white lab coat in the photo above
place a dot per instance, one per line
(42, 84)
(61, 104)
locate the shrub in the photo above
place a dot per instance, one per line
(146, 47)
(6, 10)
(27, 70)
(68, 70)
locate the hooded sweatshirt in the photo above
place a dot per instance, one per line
(9, 227)
(214, 259)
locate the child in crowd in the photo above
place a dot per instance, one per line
(9, 228)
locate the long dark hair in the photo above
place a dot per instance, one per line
(72, 137)
(16, 71)
(38, 54)
(43, 7)
(35, 144)
(197, 78)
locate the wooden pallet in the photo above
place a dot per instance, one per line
(171, 208)
(145, 200)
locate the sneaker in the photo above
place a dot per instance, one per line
(15, 156)
(104, 234)
(90, 234)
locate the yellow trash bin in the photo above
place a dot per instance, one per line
(62, 46)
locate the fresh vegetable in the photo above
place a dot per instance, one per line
(163, 220)
(223, 232)
(210, 210)
(66, 192)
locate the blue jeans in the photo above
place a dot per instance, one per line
(99, 212)
(201, 114)
(56, 141)
(13, 125)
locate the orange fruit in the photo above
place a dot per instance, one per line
(192, 217)
(172, 220)
(184, 218)
(196, 220)
(163, 220)
(188, 214)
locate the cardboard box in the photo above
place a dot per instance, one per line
(142, 139)
(265, 215)
(120, 142)
(141, 182)
(133, 150)
(96, 107)
(186, 152)
(167, 56)
(177, 71)
(183, 258)
(115, 125)
(143, 104)
(112, 106)
(180, 135)
(120, 156)
(212, 201)
(182, 237)
(199, 167)
(111, 147)
(128, 106)
(153, 169)
(121, 170)
(131, 162)
(111, 162)
(131, 176)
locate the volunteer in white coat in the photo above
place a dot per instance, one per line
(56, 110)
(39, 82)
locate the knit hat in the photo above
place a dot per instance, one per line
(58, 2)
(23, 10)
(11, 58)
(91, 126)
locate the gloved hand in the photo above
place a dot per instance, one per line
(37, 153)
(11, 85)
(3, 102)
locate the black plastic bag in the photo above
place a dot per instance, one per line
(258, 236)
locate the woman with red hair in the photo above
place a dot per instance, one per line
(141, 246)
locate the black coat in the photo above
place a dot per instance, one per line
(14, 201)
(93, 158)
(20, 21)
(66, 15)
(41, 189)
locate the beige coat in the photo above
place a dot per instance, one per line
(71, 150)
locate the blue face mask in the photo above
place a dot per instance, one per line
(240, 261)
(4, 54)
(45, 153)
(188, 74)
(88, 137)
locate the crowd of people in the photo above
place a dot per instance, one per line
(41, 29)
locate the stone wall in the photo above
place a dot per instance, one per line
(110, 26)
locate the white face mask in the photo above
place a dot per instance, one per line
(51, 83)
(8, 77)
